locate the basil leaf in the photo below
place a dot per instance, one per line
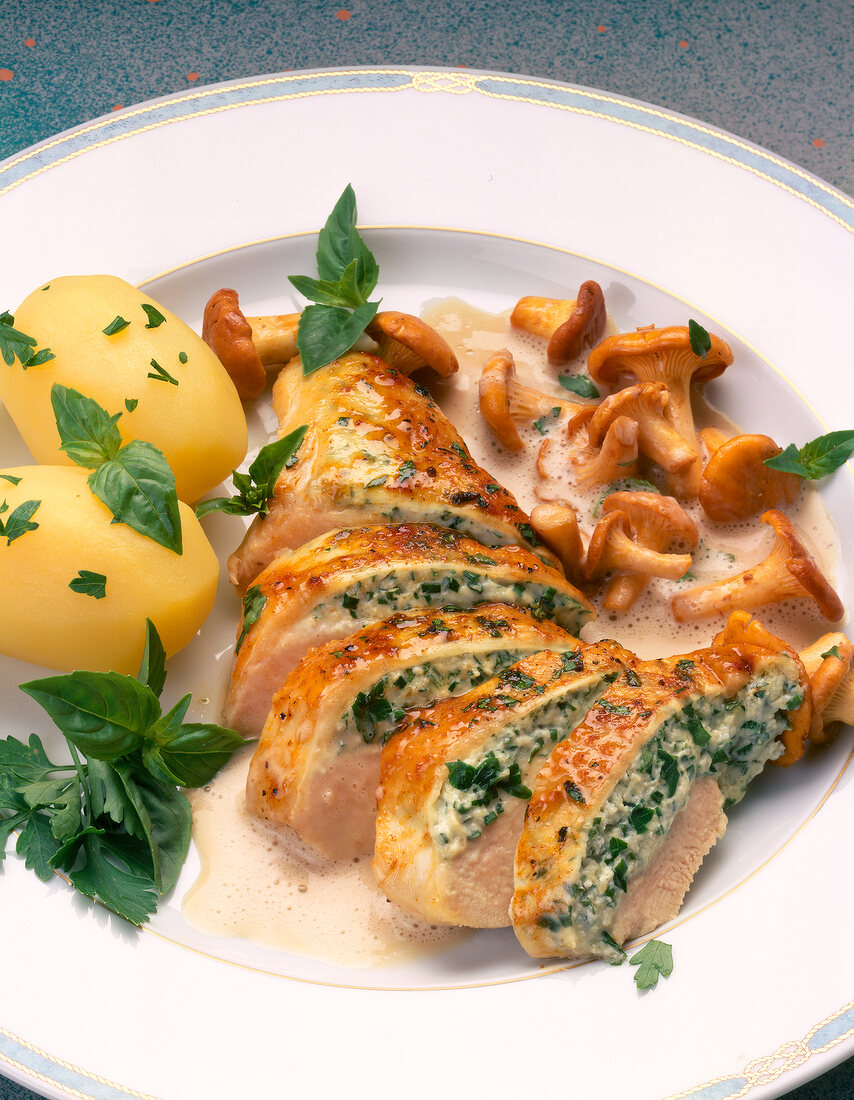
(165, 818)
(581, 384)
(152, 669)
(11, 478)
(816, 459)
(701, 342)
(19, 520)
(88, 583)
(138, 487)
(87, 433)
(258, 488)
(326, 332)
(192, 753)
(253, 604)
(104, 714)
(339, 243)
(344, 292)
(117, 324)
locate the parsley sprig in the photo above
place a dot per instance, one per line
(348, 274)
(654, 960)
(816, 459)
(112, 819)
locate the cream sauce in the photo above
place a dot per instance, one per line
(260, 883)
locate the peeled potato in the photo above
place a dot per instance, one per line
(44, 621)
(198, 423)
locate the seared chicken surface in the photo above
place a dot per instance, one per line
(454, 783)
(627, 807)
(317, 765)
(378, 450)
(348, 578)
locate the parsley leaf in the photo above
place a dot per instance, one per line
(257, 488)
(348, 274)
(580, 384)
(654, 960)
(19, 520)
(89, 584)
(816, 459)
(17, 345)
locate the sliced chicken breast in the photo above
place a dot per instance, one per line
(627, 807)
(378, 450)
(347, 578)
(317, 765)
(454, 783)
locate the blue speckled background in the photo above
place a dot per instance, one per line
(779, 73)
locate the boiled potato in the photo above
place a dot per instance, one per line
(197, 423)
(44, 621)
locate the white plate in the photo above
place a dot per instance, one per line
(463, 172)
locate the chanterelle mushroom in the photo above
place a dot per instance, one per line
(504, 399)
(788, 572)
(614, 458)
(568, 324)
(663, 355)
(657, 438)
(615, 547)
(557, 525)
(658, 523)
(246, 345)
(408, 343)
(828, 663)
(736, 483)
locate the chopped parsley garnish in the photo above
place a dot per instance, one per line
(155, 317)
(89, 584)
(406, 471)
(580, 384)
(487, 779)
(371, 708)
(375, 483)
(19, 521)
(573, 792)
(832, 652)
(117, 324)
(182, 357)
(612, 708)
(131, 403)
(160, 374)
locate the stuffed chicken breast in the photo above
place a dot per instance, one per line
(347, 578)
(317, 765)
(378, 449)
(630, 803)
(454, 783)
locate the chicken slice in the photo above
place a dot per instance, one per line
(344, 579)
(378, 449)
(626, 808)
(317, 766)
(453, 783)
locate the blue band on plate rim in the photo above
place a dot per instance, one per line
(546, 93)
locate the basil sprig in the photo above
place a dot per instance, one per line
(348, 274)
(256, 488)
(815, 459)
(15, 344)
(701, 342)
(133, 480)
(112, 819)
